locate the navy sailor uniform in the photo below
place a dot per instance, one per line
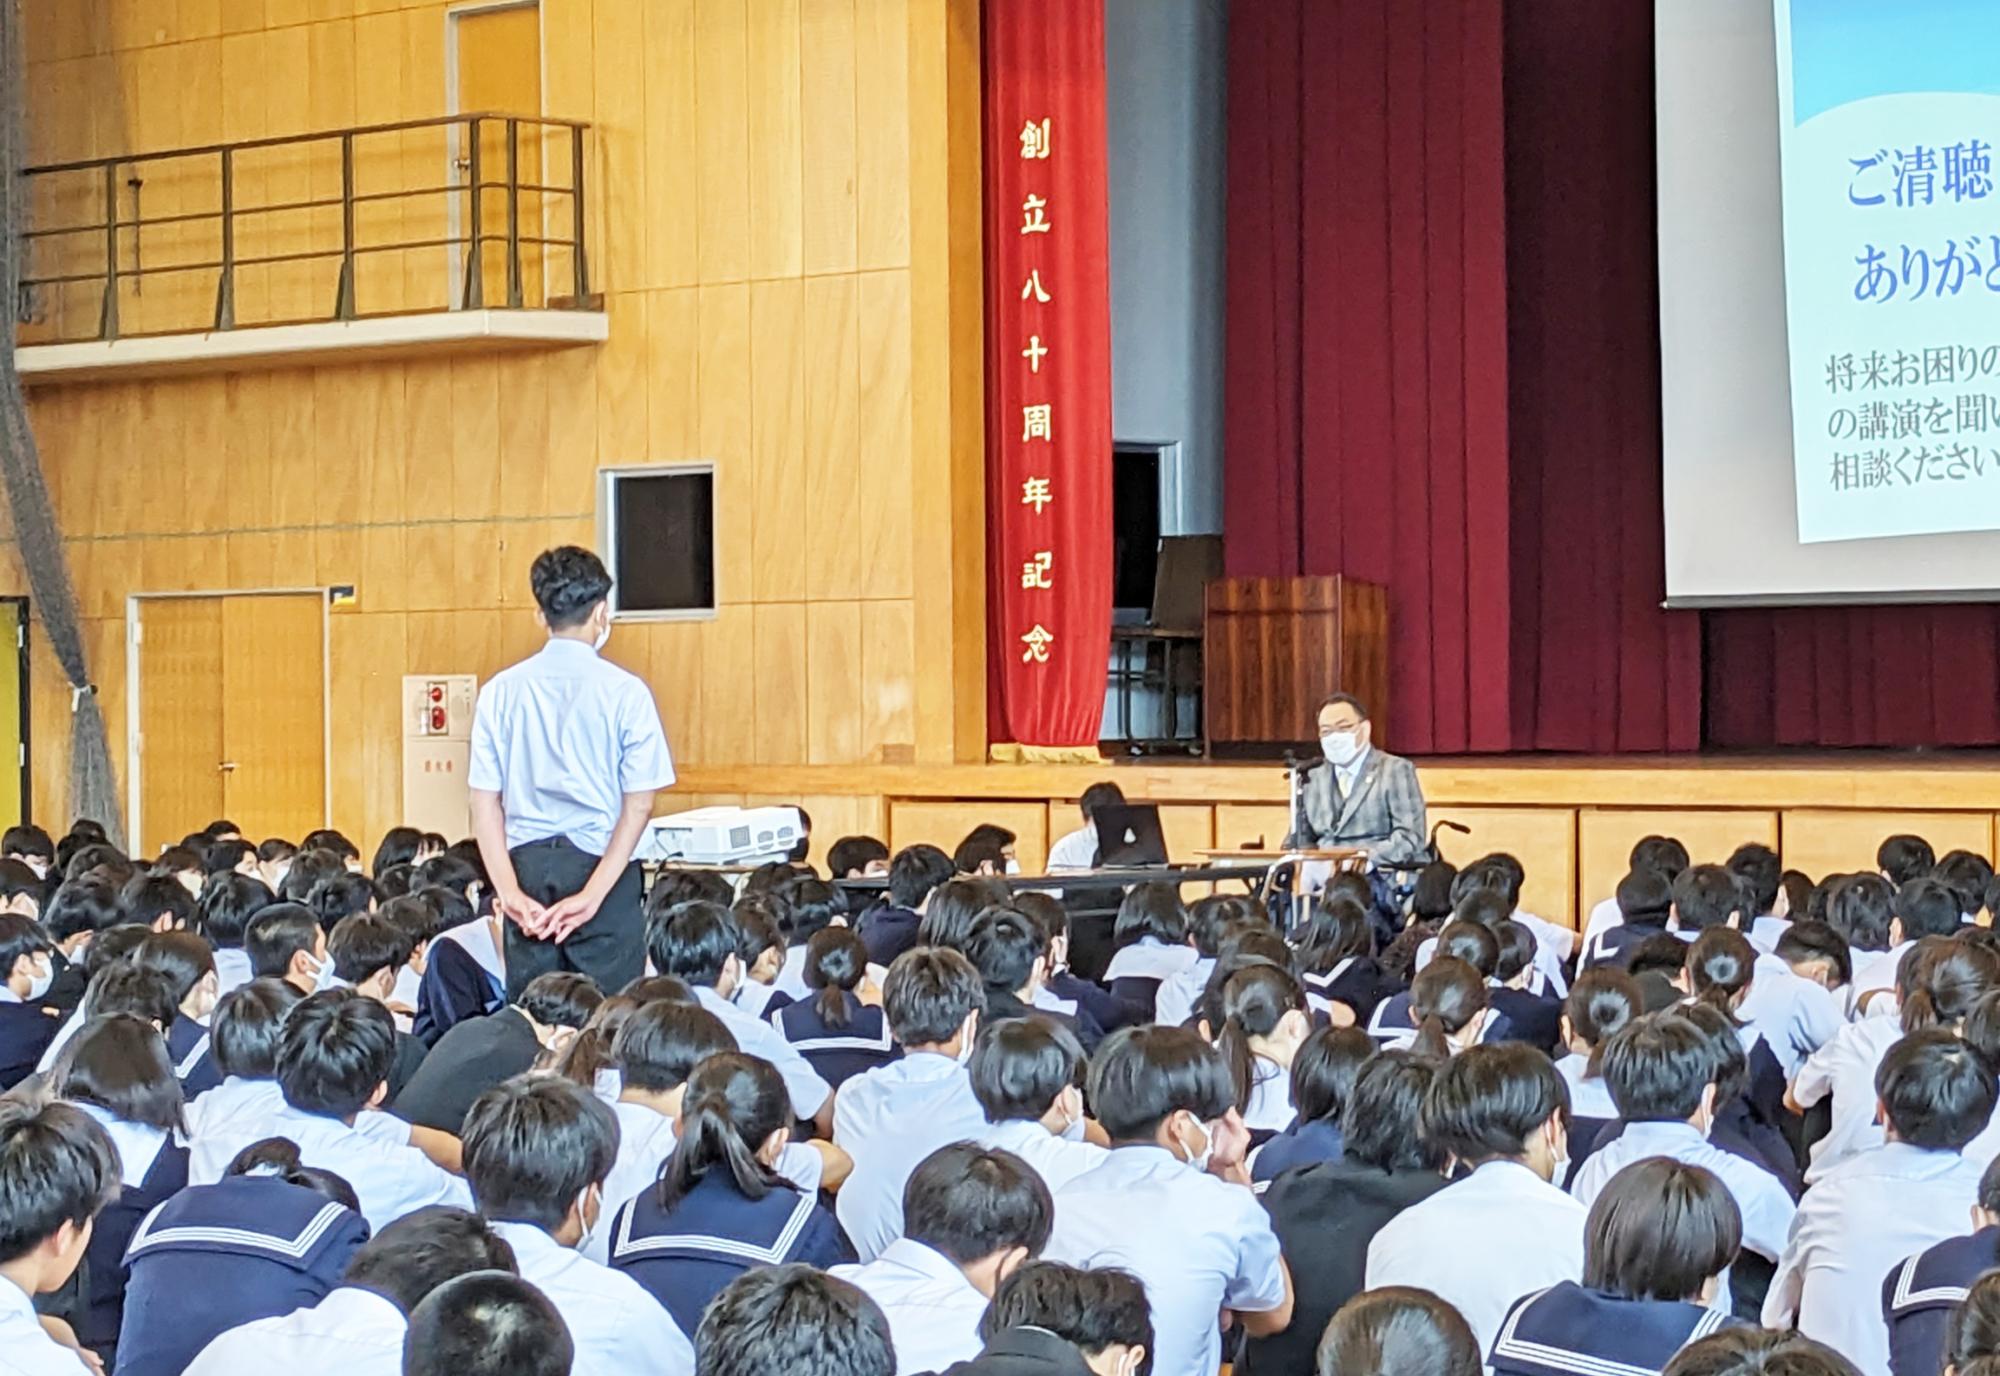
(1568, 1330)
(1919, 1295)
(147, 1180)
(837, 1053)
(194, 1062)
(686, 1256)
(261, 1247)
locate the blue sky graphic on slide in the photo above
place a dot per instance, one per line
(1849, 50)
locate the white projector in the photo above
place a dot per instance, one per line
(723, 836)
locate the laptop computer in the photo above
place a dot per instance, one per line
(1130, 837)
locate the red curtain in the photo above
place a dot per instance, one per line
(1048, 374)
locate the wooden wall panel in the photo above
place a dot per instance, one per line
(1823, 843)
(944, 825)
(1241, 826)
(1542, 839)
(1605, 837)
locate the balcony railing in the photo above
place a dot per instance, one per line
(456, 213)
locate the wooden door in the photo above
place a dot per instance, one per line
(180, 750)
(500, 70)
(13, 698)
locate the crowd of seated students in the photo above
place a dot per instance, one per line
(260, 1106)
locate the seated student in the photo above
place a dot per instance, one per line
(698, 943)
(1471, 942)
(1322, 1078)
(1932, 1299)
(1008, 951)
(1158, 1206)
(367, 952)
(1534, 1018)
(1861, 908)
(1326, 1214)
(480, 1053)
(118, 985)
(185, 958)
(271, 1236)
(760, 919)
(158, 902)
(1079, 850)
(488, 1323)
(811, 906)
(1870, 1212)
(1759, 871)
(335, 1053)
(1447, 1010)
(1337, 964)
(31, 846)
(1398, 1331)
(915, 874)
(1207, 920)
(1656, 1245)
(465, 968)
(58, 1170)
(1661, 853)
(1920, 908)
(1759, 1352)
(222, 916)
(1027, 1074)
(1971, 1344)
(720, 1205)
(73, 918)
(22, 891)
(1499, 1110)
(892, 1117)
(1151, 940)
(1258, 1018)
(308, 869)
(956, 906)
(27, 968)
(1815, 951)
(1047, 1319)
(1721, 972)
(971, 1215)
(1796, 1017)
(274, 862)
(398, 846)
(1645, 905)
(1903, 857)
(360, 1327)
(1738, 1127)
(1662, 1076)
(285, 941)
(793, 1321)
(1966, 874)
(418, 922)
(1063, 991)
(857, 857)
(1600, 1003)
(185, 864)
(537, 1150)
(839, 1035)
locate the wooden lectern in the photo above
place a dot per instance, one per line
(1275, 647)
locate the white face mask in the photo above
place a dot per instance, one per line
(39, 982)
(1013, 865)
(603, 635)
(1199, 1159)
(1342, 748)
(37, 864)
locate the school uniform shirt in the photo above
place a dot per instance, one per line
(67, 1029)
(152, 1167)
(889, 1120)
(758, 1000)
(1058, 1160)
(1858, 1222)
(1566, 1329)
(1795, 1015)
(389, 1179)
(194, 1062)
(684, 1257)
(791, 977)
(1356, 981)
(26, 1349)
(472, 1058)
(239, 1113)
(1604, 915)
(1076, 850)
(933, 1310)
(1270, 1110)
(755, 1037)
(1547, 963)
(1197, 1242)
(232, 969)
(1765, 1204)
(262, 1248)
(887, 932)
(1845, 1068)
(837, 1053)
(1873, 970)
(352, 1332)
(1918, 1298)
(1301, 1144)
(1617, 944)
(618, 1329)
(25, 1033)
(1765, 932)
(464, 977)
(1096, 1011)
(1451, 1244)
(1179, 994)
(1393, 1028)
(1137, 971)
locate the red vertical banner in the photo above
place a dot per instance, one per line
(1048, 377)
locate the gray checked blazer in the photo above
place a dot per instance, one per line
(1384, 813)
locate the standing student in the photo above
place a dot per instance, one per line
(27, 968)
(1927, 1298)
(483, 1052)
(838, 1034)
(488, 1323)
(1659, 1238)
(1027, 1074)
(537, 1150)
(1157, 1208)
(1499, 1111)
(1869, 1213)
(567, 755)
(359, 1328)
(1322, 1076)
(793, 1321)
(971, 1215)
(58, 1170)
(894, 1116)
(1398, 1331)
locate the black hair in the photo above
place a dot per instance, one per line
(1707, 896)
(1904, 857)
(335, 1051)
(309, 869)
(114, 947)
(1004, 946)
(341, 896)
(398, 846)
(1599, 1003)
(1663, 853)
(228, 902)
(659, 1044)
(852, 854)
(122, 987)
(1091, 1310)
(1798, 888)
(79, 906)
(1021, 1065)
(182, 956)
(928, 994)
(25, 838)
(1445, 996)
(968, 1202)
(1431, 899)
(1859, 908)
(453, 908)
(1927, 908)
(275, 848)
(1517, 949)
(222, 857)
(1472, 943)
(454, 872)
(733, 1104)
(414, 919)
(1486, 1103)
(278, 933)
(1098, 797)
(955, 906)
(915, 872)
(331, 839)
(1757, 868)
(1253, 1001)
(362, 945)
(1397, 1331)
(568, 582)
(693, 941)
(1324, 1070)
(759, 926)
(1383, 1124)
(1807, 940)
(93, 854)
(1646, 897)
(1935, 1092)
(977, 854)
(1721, 963)
(792, 1320)
(1940, 979)
(395, 882)
(1972, 1332)
(1154, 910)
(57, 1166)
(248, 1022)
(533, 1145)
(1656, 1069)
(1499, 875)
(560, 998)
(1966, 873)
(1479, 905)
(1660, 1230)
(146, 898)
(1662, 953)
(408, 1259)
(1046, 911)
(813, 904)
(277, 1158)
(17, 881)
(1729, 1064)
(1749, 1351)
(487, 1323)
(120, 1063)
(836, 960)
(1338, 929)
(190, 855)
(1208, 919)
(1141, 1076)
(21, 936)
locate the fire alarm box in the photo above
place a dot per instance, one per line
(437, 748)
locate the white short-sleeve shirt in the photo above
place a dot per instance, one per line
(26, 1349)
(755, 1037)
(352, 1332)
(933, 1310)
(390, 1180)
(1766, 1206)
(889, 1119)
(1058, 1160)
(1845, 1068)
(618, 1328)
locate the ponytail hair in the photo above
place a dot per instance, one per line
(1599, 1003)
(1720, 965)
(1972, 1333)
(836, 960)
(1445, 997)
(1254, 1001)
(734, 1103)
(276, 1158)
(1942, 979)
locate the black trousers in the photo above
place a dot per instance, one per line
(610, 948)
